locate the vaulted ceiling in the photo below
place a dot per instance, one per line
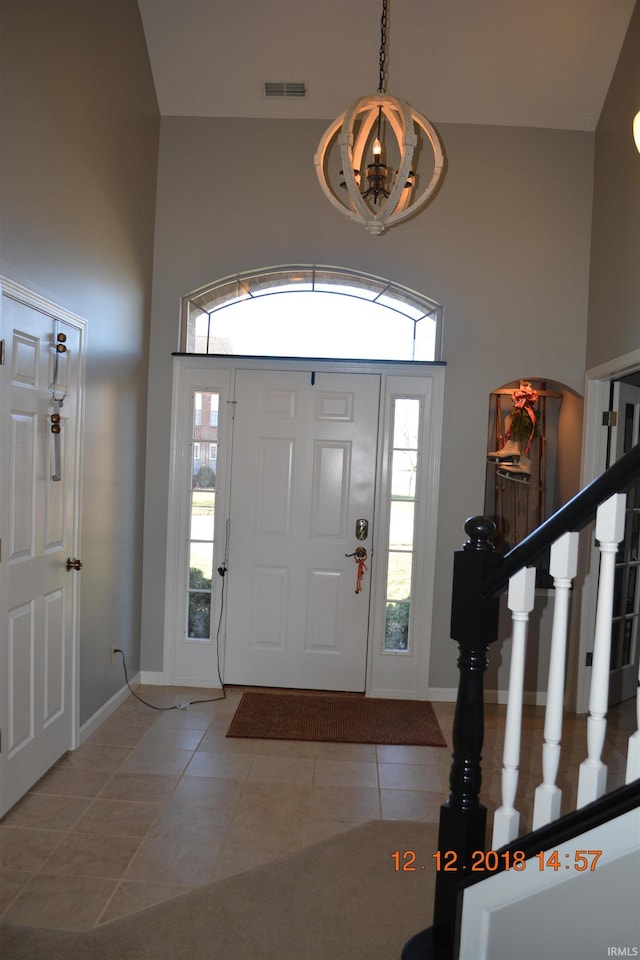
(533, 63)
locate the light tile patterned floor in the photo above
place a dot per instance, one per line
(155, 803)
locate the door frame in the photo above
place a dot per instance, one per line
(388, 674)
(594, 453)
(15, 291)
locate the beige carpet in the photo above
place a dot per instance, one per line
(341, 899)
(336, 719)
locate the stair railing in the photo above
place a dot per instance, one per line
(480, 576)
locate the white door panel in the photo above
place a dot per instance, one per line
(37, 525)
(303, 472)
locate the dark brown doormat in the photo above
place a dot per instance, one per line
(336, 719)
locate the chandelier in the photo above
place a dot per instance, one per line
(365, 160)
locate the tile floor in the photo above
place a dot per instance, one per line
(155, 803)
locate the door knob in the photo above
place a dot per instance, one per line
(74, 564)
(359, 553)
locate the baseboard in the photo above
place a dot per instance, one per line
(153, 678)
(442, 694)
(535, 698)
(531, 698)
(157, 678)
(195, 682)
(393, 694)
(92, 724)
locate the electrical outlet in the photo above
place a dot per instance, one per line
(113, 655)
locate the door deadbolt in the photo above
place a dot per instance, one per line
(362, 529)
(74, 564)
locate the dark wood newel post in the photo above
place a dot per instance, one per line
(474, 625)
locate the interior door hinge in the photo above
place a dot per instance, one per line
(2, 360)
(609, 418)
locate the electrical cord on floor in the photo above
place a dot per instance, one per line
(184, 704)
(222, 571)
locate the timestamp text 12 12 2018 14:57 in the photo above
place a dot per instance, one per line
(407, 861)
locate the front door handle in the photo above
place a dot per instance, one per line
(359, 553)
(74, 564)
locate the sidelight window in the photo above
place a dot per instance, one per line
(403, 473)
(202, 505)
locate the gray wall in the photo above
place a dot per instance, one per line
(77, 199)
(504, 247)
(614, 295)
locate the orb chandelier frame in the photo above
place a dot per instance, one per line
(380, 126)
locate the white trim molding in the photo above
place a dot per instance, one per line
(594, 452)
(388, 674)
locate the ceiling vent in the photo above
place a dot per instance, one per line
(273, 88)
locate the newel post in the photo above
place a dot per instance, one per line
(474, 625)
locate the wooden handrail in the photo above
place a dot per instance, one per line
(574, 515)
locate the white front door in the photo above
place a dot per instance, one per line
(40, 381)
(303, 472)
(625, 636)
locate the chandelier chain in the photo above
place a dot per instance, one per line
(383, 48)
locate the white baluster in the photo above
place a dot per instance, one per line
(592, 779)
(520, 601)
(633, 753)
(563, 568)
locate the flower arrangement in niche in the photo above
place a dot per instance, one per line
(521, 427)
(523, 424)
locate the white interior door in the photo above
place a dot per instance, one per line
(303, 472)
(625, 641)
(38, 480)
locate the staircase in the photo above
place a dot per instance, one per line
(480, 576)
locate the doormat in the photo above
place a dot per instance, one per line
(336, 719)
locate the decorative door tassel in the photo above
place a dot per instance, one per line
(360, 556)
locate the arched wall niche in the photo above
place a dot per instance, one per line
(518, 501)
(534, 439)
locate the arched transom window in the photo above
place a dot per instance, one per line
(334, 313)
